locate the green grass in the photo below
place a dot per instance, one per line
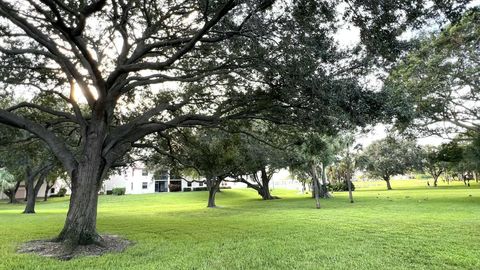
(411, 227)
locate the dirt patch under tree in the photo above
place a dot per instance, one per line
(58, 250)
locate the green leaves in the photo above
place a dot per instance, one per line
(390, 156)
(438, 82)
(7, 180)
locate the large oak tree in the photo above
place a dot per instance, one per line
(121, 70)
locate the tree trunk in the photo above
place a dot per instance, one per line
(323, 187)
(31, 198)
(211, 198)
(12, 193)
(80, 225)
(47, 189)
(11, 197)
(86, 180)
(33, 191)
(316, 189)
(262, 185)
(435, 180)
(265, 187)
(350, 193)
(387, 179)
(315, 181)
(212, 185)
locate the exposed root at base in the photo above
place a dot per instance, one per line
(62, 251)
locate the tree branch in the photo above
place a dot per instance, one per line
(57, 145)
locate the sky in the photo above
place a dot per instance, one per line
(379, 132)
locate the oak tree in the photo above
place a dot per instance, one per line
(117, 71)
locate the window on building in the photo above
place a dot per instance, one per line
(52, 190)
(189, 184)
(144, 172)
(200, 184)
(131, 186)
(144, 185)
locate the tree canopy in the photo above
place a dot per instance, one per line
(389, 157)
(438, 83)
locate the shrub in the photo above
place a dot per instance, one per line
(109, 192)
(61, 193)
(118, 191)
(340, 186)
(225, 187)
(200, 189)
(187, 189)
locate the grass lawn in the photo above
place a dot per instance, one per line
(411, 227)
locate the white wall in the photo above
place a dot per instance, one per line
(132, 180)
(283, 180)
(21, 192)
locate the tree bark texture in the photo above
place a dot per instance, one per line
(80, 225)
(213, 184)
(29, 186)
(34, 187)
(265, 187)
(316, 188)
(324, 193)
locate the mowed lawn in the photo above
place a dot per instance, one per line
(411, 227)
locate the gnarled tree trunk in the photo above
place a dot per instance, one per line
(261, 185)
(32, 190)
(265, 187)
(80, 225)
(213, 184)
(86, 180)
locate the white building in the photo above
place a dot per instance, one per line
(139, 180)
(284, 180)
(22, 192)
